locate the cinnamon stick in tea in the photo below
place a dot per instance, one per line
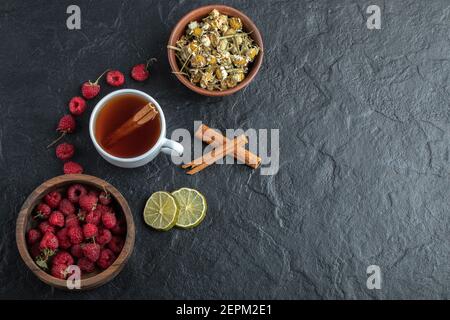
(216, 154)
(215, 138)
(144, 115)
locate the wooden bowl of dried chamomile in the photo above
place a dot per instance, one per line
(215, 50)
(75, 229)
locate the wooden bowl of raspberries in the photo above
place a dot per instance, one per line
(75, 227)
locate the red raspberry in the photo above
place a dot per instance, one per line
(67, 124)
(35, 251)
(109, 220)
(104, 198)
(77, 106)
(53, 199)
(56, 219)
(86, 265)
(75, 235)
(90, 230)
(63, 239)
(65, 151)
(94, 217)
(91, 251)
(72, 167)
(104, 236)
(63, 257)
(33, 236)
(116, 244)
(115, 78)
(72, 221)
(120, 228)
(49, 241)
(88, 202)
(43, 211)
(45, 227)
(66, 207)
(76, 251)
(75, 191)
(140, 71)
(59, 271)
(106, 258)
(89, 89)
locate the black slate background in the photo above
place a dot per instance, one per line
(364, 164)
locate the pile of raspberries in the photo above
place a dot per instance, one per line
(81, 229)
(77, 105)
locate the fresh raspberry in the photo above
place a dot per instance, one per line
(91, 251)
(116, 244)
(88, 202)
(75, 235)
(86, 265)
(59, 271)
(56, 219)
(77, 106)
(104, 236)
(66, 124)
(49, 241)
(66, 207)
(140, 71)
(109, 220)
(65, 151)
(53, 199)
(102, 208)
(72, 221)
(43, 211)
(90, 89)
(120, 228)
(115, 78)
(90, 230)
(75, 191)
(63, 257)
(63, 239)
(45, 227)
(106, 258)
(94, 217)
(35, 251)
(72, 167)
(33, 236)
(76, 251)
(104, 198)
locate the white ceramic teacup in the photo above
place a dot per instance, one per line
(163, 144)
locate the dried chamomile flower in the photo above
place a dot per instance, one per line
(198, 61)
(205, 41)
(215, 53)
(235, 23)
(252, 53)
(221, 73)
(239, 61)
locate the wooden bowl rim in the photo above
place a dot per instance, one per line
(37, 194)
(195, 15)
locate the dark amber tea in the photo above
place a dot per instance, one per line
(114, 114)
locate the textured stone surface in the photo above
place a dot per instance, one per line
(364, 129)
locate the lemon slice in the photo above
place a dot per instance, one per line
(161, 211)
(192, 205)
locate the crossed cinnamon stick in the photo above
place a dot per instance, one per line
(222, 147)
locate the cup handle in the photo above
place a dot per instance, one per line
(169, 147)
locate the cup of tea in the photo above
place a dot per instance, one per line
(141, 144)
